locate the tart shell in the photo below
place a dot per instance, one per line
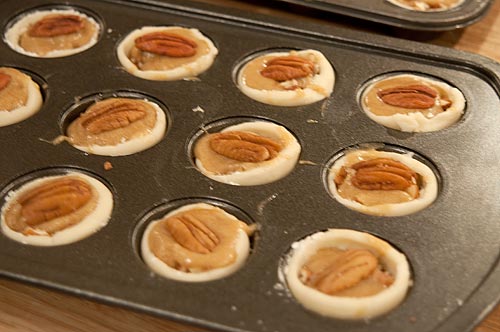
(136, 144)
(185, 71)
(89, 225)
(348, 307)
(428, 191)
(268, 171)
(32, 106)
(21, 26)
(402, 5)
(242, 248)
(320, 88)
(416, 121)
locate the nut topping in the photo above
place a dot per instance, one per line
(244, 146)
(416, 96)
(382, 174)
(383, 277)
(346, 271)
(56, 25)
(53, 199)
(192, 233)
(112, 114)
(379, 174)
(4, 80)
(285, 68)
(445, 104)
(166, 43)
(340, 176)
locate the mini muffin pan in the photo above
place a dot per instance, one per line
(382, 11)
(452, 246)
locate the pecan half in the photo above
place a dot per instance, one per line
(112, 114)
(56, 25)
(166, 43)
(243, 146)
(192, 233)
(4, 80)
(285, 68)
(416, 96)
(383, 174)
(53, 199)
(350, 268)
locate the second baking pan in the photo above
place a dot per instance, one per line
(382, 11)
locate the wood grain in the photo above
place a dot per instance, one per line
(25, 308)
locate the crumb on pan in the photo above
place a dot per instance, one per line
(108, 166)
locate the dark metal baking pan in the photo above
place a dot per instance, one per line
(452, 246)
(382, 11)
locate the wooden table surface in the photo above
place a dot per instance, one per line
(25, 308)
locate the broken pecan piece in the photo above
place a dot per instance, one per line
(350, 268)
(383, 277)
(192, 233)
(445, 104)
(56, 25)
(340, 176)
(53, 199)
(244, 146)
(112, 114)
(383, 174)
(285, 68)
(416, 96)
(166, 43)
(4, 80)
(435, 4)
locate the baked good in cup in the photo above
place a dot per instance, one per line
(20, 96)
(290, 78)
(427, 5)
(196, 243)
(118, 127)
(382, 183)
(56, 210)
(166, 53)
(347, 274)
(412, 103)
(247, 154)
(53, 33)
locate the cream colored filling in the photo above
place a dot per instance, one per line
(325, 258)
(219, 164)
(15, 94)
(150, 61)
(251, 76)
(167, 249)
(372, 197)
(14, 220)
(378, 107)
(89, 224)
(80, 136)
(44, 45)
